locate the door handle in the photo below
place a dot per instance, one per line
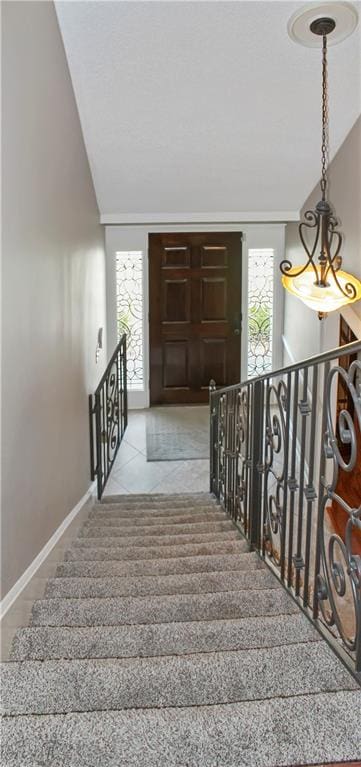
(236, 331)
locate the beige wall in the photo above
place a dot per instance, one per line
(53, 288)
(304, 333)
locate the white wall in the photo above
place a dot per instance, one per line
(304, 334)
(53, 287)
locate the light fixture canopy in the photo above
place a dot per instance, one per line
(320, 283)
(344, 14)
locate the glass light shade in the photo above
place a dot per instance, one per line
(322, 299)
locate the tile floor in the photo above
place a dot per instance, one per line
(132, 473)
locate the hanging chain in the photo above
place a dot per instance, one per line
(324, 145)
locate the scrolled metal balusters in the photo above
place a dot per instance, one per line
(242, 457)
(112, 411)
(276, 399)
(339, 582)
(221, 447)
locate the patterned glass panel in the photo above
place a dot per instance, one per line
(129, 271)
(260, 310)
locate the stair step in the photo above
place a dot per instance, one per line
(282, 732)
(98, 529)
(41, 643)
(145, 541)
(199, 564)
(141, 512)
(51, 687)
(161, 609)
(157, 498)
(103, 519)
(156, 552)
(164, 584)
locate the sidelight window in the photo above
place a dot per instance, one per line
(260, 310)
(129, 287)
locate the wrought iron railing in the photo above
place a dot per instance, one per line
(108, 416)
(282, 463)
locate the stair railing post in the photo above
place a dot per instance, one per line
(212, 415)
(91, 437)
(125, 387)
(257, 454)
(99, 470)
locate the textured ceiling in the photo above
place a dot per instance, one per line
(202, 106)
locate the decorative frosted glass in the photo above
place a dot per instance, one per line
(129, 273)
(260, 310)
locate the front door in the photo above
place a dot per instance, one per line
(195, 314)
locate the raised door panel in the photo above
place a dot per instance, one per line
(214, 256)
(213, 361)
(176, 364)
(176, 257)
(176, 301)
(213, 304)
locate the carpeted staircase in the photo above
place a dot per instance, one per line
(163, 642)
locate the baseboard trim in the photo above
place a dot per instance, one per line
(12, 595)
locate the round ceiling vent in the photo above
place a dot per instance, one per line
(344, 15)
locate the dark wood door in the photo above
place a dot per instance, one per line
(195, 314)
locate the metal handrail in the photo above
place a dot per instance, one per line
(118, 349)
(108, 416)
(353, 347)
(282, 460)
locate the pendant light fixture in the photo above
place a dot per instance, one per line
(320, 283)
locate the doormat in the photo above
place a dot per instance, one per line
(177, 433)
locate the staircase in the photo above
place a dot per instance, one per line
(164, 642)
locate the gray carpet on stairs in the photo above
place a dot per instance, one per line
(163, 584)
(110, 541)
(162, 522)
(163, 642)
(112, 611)
(144, 640)
(306, 729)
(96, 529)
(176, 550)
(168, 566)
(62, 686)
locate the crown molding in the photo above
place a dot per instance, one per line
(237, 217)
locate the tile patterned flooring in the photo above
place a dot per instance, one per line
(132, 473)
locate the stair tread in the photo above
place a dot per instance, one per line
(155, 552)
(98, 529)
(153, 503)
(161, 609)
(164, 584)
(171, 565)
(39, 643)
(142, 541)
(61, 686)
(161, 510)
(156, 498)
(184, 518)
(282, 732)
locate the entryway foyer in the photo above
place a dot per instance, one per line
(133, 473)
